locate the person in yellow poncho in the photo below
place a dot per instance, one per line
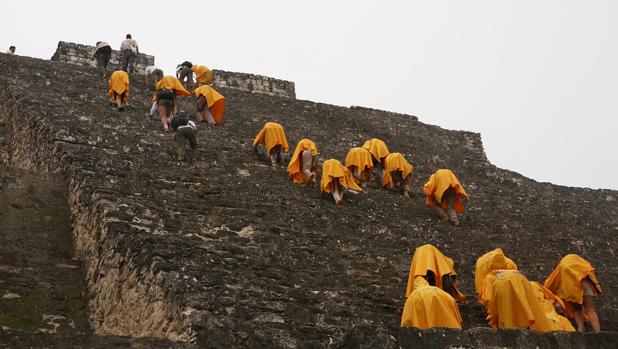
(210, 104)
(203, 75)
(429, 306)
(512, 302)
(336, 178)
(119, 88)
(165, 94)
(491, 260)
(436, 268)
(549, 302)
(397, 173)
(378, 149)
(359, 162)
(304, 162)
(274, 140)
(574, 281)
(444, 188)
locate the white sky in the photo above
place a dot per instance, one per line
(537, 78)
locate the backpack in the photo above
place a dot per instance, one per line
(181, 119)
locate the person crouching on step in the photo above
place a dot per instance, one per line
(335, 179)
(184, 132)
(273, 137)
(397, 173)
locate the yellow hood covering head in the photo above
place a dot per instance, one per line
(438, 183)
(359, 157)
(513, 303)
(565, 281)
(492, 260)
(549, 302)
(395, 162)
(271, 135)
(332, 170)
(428, 307)
(171, 83)
(215, 101)
(429, 258)
(203, 75)
(377, 148)
(119, 83)
(295, 171)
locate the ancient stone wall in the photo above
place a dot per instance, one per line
(82, 55)
(230, 252)
(254, 83)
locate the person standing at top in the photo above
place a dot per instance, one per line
(11, 50)
(102, 53)
(128, 52)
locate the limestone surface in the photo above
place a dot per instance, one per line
(229, 252)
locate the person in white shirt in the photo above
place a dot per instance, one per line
(11, 50)
(152, 75)
(128, 52)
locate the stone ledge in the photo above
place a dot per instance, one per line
(79, 54)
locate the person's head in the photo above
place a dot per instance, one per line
(12, 49)
(187, 64)
(128, 36)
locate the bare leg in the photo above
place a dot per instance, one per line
(337, 193)
(208, 116)
(118, 101)
(451, 195)
(163, 114)
(275, 155)
(407, 186)
(306, 160)
(441, 212)
(591, 313)
(578, 315)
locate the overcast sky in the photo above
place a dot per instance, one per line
(537, 78)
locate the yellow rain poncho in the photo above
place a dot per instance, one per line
(377, 148)
(548, 302)
(332, 170)
(119, 84)
(271, 135)
(492, 260)
(428, 257)
(429, 306)
(395, 162)
(513, 303)
(438, 183)
(295, 168)
(203, 75)
(565, 281)
(215, 101)
(171, 83)
(359, 157)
